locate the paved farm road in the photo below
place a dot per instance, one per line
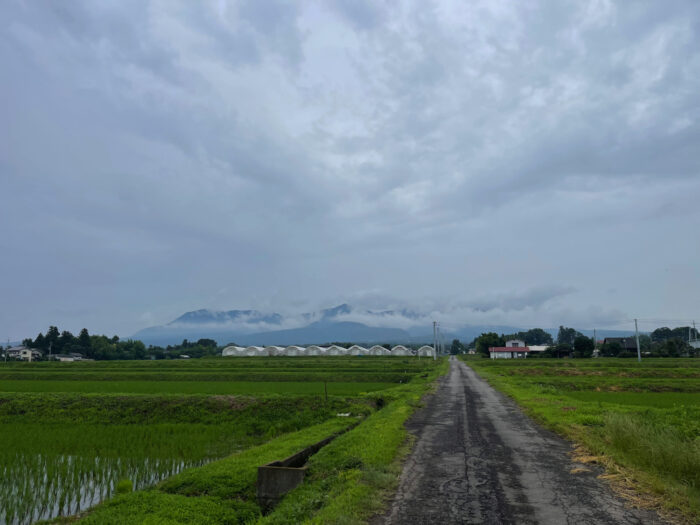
(479, 459)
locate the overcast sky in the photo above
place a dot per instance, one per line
(530, 163)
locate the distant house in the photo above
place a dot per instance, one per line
(509, 352)
(515, 343)
(23, 353)
(68, 358)
(538, 348)
(628, 344)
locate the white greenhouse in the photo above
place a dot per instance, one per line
(426, 351)
(357, 350)
(336, 350)
(400, 350)
(315, 350)
(378, 350)
(274, 350)
(295, 351)
(252, 351)
(235, 351)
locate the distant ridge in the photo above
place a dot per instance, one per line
(337, 324)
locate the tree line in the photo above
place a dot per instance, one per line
(102, 347)
(662, 342)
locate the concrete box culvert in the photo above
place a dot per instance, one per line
(279, 477)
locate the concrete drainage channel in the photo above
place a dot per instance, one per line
(279, 477)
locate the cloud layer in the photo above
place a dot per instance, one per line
(525, 161)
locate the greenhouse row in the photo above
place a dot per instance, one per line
(313, 350)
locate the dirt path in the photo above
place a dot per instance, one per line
(479, 459)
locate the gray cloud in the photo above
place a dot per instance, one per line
(448, 156)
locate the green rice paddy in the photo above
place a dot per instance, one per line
(195, 387)
(70, 432)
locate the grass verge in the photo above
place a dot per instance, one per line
(350, 479)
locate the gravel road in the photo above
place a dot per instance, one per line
(479, 459)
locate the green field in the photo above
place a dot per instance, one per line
(72, 431)
(645, 417)
(194, 387)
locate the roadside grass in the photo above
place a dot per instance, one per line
(653, 435)
(350, 479)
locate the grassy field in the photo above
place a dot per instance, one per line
(642, 417)
(346, 482)
(194, 387)
(72, 431)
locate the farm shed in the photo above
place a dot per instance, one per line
(400, 350)
(294, 351)
(233, 351)
(315, 350)
(357, 350)
(508, 352)
(426, 351)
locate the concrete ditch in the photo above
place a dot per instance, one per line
(277, 478)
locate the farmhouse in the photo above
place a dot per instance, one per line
(627, 343)
(23, 353)
(514, 349)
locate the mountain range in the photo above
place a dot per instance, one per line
(342, 323)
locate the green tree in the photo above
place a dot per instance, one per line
(486, 341)
(583, 346)
(567, 335)
(40, 342)
(611, 349)
(52, 336)
(84, 340)
(457, 347)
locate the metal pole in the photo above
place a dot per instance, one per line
(636, 335)
(434, 339)
(595, 344)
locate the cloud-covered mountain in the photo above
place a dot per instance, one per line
(342, 323)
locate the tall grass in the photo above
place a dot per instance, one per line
(662, 449)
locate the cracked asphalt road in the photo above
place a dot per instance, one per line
(479, 459)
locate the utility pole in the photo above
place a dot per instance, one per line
(595, 343)
(636, 335)
(434, 339)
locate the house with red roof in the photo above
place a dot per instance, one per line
(514, 349)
